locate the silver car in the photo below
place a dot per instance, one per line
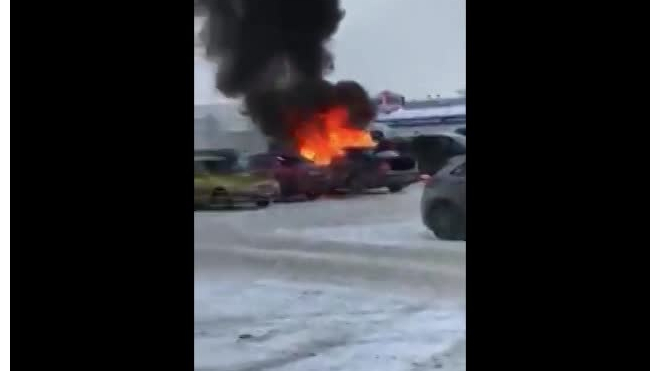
(443, 201)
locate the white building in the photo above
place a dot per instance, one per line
(426, 121)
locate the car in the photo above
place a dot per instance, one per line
(223, 179)
(433, 152)
(366, 168)
(430, 152)
(443, 201)
(460, 131)
(295, 174)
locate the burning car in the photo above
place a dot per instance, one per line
(330, 139)
(222, 179)
(364, 168)
(295, 174)
(443, 201)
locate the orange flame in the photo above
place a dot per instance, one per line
(327, 134)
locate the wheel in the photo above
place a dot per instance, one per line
(263, 203)
(447, 222)
(287, 189)
(394, 188)
(355, 185)
(218, 198)
(312, 195)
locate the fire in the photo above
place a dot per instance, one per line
(327, 134)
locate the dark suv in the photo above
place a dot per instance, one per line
(366, 168)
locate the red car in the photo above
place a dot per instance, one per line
(295, 174)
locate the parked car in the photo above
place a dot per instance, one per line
(222, 179)
(367, 168)
(295, 174)
(433, 152)
(443, 201)
(430, 152)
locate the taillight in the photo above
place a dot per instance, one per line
(425, 178)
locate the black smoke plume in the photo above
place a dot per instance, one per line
(272, 54)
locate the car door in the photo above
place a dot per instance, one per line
(458, 179)
(297, 172)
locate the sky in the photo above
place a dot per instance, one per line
(412, 47)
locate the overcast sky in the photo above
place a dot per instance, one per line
(414, 47)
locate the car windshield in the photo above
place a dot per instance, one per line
(220, 165)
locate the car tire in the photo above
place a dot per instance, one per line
(355, 185)
(287, 189)
(312, 195)
(394, 188)
(263, 203)
(216, 198)
(447, 222)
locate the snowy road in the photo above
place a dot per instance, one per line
(343, 283)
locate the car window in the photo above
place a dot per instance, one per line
(456, 148)
(200, 169)
(221, 165)
(445, 143)
(450, 146)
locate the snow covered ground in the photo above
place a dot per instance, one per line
(343, 283)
